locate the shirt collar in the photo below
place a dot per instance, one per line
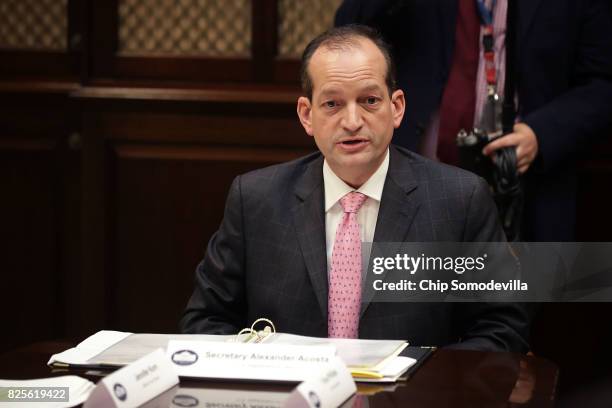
(335, 188)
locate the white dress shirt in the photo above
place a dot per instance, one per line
(335, 189)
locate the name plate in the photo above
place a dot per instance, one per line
(329, 388)
(248, 361)
(136, 383)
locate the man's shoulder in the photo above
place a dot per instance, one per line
(278, 177)
(456, 205)
(284, 169)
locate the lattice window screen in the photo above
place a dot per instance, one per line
(185, 27)
(34, 24)
(300, 21)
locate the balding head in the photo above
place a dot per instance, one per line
(341, 39)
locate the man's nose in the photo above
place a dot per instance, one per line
(352, 120)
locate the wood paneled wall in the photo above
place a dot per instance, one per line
(162, 170)
(36, 177)
(111, 194)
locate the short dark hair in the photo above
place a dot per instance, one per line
(339, 38)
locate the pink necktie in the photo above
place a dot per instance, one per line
(344, 301)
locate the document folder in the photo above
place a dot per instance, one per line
(368, 360)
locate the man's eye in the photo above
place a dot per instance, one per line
(371, 100)
(330, 104)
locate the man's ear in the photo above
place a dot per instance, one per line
(398, 106)
(304, 111)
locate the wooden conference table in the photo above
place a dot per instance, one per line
(449, 378)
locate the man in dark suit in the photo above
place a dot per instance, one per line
(272, 255)
(563, 59)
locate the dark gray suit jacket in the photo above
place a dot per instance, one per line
(268, 258)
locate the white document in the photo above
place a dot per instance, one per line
(118, 349)
(89, 348)
(356, 353)
(366, 359)
(78, 391)
(391, 371)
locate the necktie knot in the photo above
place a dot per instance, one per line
(352, 202)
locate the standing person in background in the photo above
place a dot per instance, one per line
(563, 76)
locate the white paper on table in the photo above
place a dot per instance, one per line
(118, 349)
(354, 352)
(392, 370)
(89, 348)
(108, 348)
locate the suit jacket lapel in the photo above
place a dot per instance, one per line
(309, 219)
(397, 210)
(395, 216)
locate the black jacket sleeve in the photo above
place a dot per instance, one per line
(490, 326)
(217, 305)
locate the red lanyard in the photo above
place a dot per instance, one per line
(486, 18)
(489, 56)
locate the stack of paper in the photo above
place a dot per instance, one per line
(116, 349)
(368, 360)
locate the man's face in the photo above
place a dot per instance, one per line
(351, 115)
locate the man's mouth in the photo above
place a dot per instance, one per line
(353, 145)
(349, 142)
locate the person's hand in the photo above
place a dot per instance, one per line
(526, 144)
